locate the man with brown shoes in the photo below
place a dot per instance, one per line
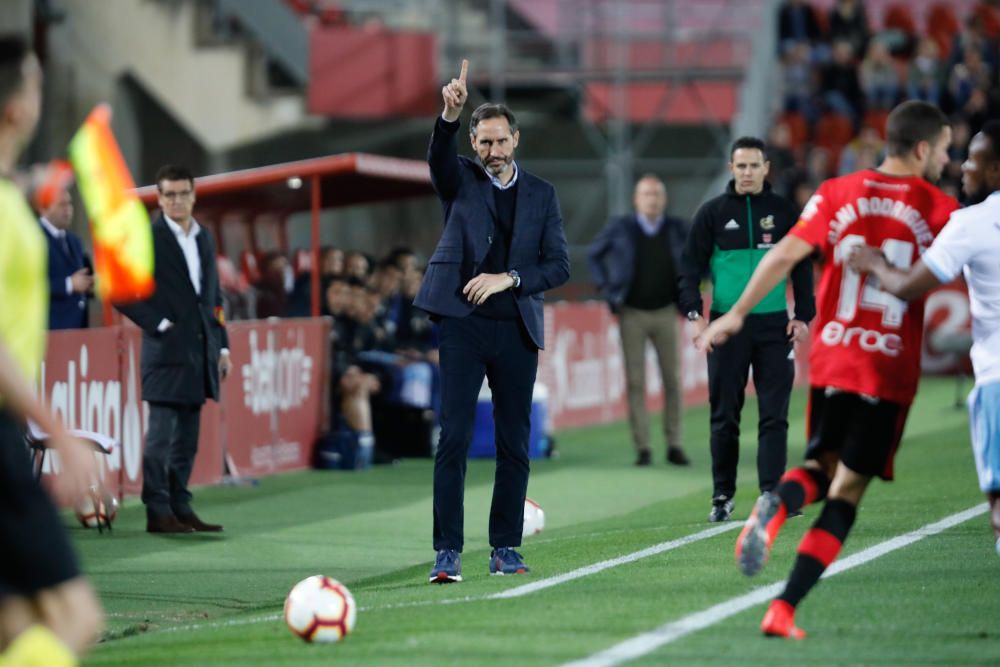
(184, 353)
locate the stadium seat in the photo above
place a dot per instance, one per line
(990, 17)
(942, 26)
(899, 17)
(798, 127)
(876, 118)
(833, 131)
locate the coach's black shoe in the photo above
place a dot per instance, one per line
(722, 509)
(644, 458)
(191, 520)
(166, 524)
(677, 457)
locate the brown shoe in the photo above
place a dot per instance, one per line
(166, 524)
(194, 523)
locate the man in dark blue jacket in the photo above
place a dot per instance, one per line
(502, 246)
(70, 279)
(635, 263)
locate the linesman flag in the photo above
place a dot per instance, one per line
(119, 223)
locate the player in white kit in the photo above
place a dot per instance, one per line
(969, 244)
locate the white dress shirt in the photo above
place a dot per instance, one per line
(189, 246)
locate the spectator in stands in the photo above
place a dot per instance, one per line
(973, 36)
(387, 280)
(70, 277)
(927, 73)
(780, 150)
(331, 261)
(351, 388)
(849, 23)
(879, 77)
(797, 24)
(818, 164)
(802, 192)
(988, 13)
(357, 265)
(272, 299)
(970, 74)
(417, 335)
(635, 263)
(839, 85)
(404, 258)
(799, 82)
(863, 152)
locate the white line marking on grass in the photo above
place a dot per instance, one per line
(648, 642)
(588, 570)
(517, 591)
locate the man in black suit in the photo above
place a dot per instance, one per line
(502, 246)
(184, 352)
(70, 280)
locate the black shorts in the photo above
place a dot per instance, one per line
(864, 432)
(35, 553)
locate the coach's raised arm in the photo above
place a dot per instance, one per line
(502, 246)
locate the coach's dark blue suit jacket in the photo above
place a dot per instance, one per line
(66, 310)
(538, 250)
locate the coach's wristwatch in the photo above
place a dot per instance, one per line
(693, 316)
(516, 277)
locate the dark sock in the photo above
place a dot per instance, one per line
(819, 547)
(802, 486)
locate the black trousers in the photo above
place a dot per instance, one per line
(763, 345)
(171, 445)
(472, 348)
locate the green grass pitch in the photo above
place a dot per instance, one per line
(216, 599)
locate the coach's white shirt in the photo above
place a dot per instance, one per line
(970, 243)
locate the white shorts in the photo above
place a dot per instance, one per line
(984, 423)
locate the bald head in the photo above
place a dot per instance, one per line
(650, 197)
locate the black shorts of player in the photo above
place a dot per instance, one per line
(863, 431)
(35, 553)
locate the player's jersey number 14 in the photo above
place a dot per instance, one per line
(865, 293)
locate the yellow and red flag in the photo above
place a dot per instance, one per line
(119, 223)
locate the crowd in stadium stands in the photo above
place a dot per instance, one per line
(840, 78)
(383, 348)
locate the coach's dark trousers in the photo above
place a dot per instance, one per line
(764, 345)
(171, 444)
(472, 348)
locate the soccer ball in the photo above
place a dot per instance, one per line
(94, 512)
(534, 518)
(320, 609)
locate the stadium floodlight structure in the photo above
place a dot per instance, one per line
(333, 181)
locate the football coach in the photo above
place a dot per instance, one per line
(502, 246)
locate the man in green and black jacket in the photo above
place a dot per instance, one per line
(728, 238)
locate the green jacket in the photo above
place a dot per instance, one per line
(729, 236)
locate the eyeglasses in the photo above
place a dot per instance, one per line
(183, 195)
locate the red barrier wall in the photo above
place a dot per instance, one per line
(273, 405)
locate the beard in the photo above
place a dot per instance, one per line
(497, 166)
(976, 197)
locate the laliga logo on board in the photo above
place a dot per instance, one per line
(276, 379)
(96, 405)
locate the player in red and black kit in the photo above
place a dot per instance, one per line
(864, 363)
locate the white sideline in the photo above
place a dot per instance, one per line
(648, 642)
(515, 592)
